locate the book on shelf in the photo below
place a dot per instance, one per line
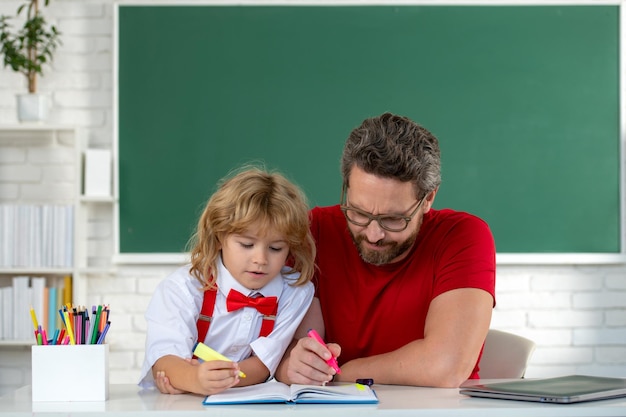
(21, 305)
(67, 289)
(36, 236)
(1, 314)
(7, 312)
(277, 392)
(98, 169)
(43, 294)
(54, 320)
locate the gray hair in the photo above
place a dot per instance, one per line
(392, 146)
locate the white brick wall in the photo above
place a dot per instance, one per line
(576, 314)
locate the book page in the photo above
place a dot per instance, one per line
(336, 392)
(271, 391)
(277, 392)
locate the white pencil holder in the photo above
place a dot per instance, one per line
(70, 372)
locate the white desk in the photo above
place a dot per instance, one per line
(129, 400)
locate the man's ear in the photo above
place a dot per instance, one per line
(429, 200)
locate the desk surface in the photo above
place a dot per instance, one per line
(394, 401)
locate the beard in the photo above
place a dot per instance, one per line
(381, 257)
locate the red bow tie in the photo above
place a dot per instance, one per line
(264, 305)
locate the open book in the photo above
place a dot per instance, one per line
(277, 392)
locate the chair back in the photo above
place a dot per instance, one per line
(505, 355)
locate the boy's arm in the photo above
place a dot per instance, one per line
(200, 378)
(256, 372)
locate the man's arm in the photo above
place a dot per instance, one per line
(456, 327)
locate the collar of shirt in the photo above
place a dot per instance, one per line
(226, 282)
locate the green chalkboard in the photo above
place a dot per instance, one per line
(524, 101)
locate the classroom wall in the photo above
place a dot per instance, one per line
(576, 314)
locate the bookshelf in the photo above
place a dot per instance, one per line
(43, 168)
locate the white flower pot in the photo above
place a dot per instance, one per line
(32, 107)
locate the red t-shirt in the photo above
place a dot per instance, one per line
(371, 309)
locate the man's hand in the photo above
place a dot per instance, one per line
(307, 362)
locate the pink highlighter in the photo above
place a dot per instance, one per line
(332, 361)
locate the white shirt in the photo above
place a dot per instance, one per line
(175, 306)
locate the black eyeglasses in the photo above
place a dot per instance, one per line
(389, 222)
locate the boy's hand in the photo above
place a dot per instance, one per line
(163, 384)
(217, 376)
(212, 376)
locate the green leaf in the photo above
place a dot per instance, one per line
(26, 49)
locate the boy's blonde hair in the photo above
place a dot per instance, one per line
(253, 197)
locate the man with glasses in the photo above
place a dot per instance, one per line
(404, 291)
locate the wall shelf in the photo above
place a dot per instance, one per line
(64, 140)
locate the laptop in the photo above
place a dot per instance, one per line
(561, 390)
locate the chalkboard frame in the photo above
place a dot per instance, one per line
(503, 258)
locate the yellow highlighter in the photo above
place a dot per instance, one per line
(207, 354)
(33, 316)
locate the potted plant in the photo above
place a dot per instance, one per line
(26, 51)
